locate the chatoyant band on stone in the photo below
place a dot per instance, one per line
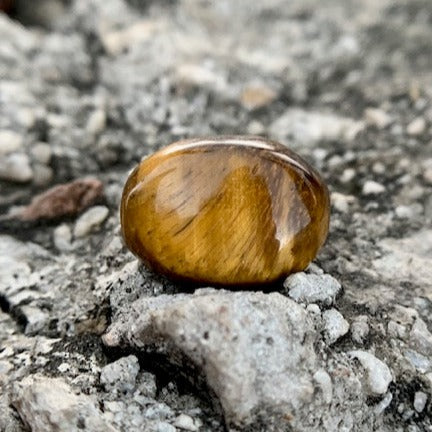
(233, 210)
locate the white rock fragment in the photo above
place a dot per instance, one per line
(378, 374)
(419, 361)
(42, 174)
(185, 422)
(360, 329)
(63, 237)
(373, 188)
(120, 376)
(164, 427)
(383, 404)
(41, 152)
(115, 42)
(92, 218)
(10, 141)
(96, 122)
(341, 202)
(416, 127)
(347, 175)
(420, 400)
(35, 318)
(49, 404)
(421, 338)
(335, 325)
(322, 378)
(309, 127)
(16, 168)
(377, 117)
(312, 288)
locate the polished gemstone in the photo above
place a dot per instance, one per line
(225, 211)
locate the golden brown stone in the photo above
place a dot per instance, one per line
(225, 211)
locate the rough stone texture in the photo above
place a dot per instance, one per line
(50, 404)
(246, 344)
(347, 84)
(310, 288)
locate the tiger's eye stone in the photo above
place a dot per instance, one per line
(225, 211)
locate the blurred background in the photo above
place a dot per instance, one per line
(89, 87)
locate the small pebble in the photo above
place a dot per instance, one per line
(10, 141)
(416, 127)
(378, 373)
(341, 202)
(63, 237)
(256, 96)
(347, 175)
(165, 427)
(420, 400)
(185, 422)
(312, 288)
(16, 168)
(120, 375)
(92, 218)
(41, 152)
(360, 329)
(377, 117)
(322, 378)
(96, 122)
(42, 174)
(335, 325)
(373, 188)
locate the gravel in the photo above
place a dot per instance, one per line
(335, 325)
(378, 374)
(346, 85)
(311, 288)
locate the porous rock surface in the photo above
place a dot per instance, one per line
(89, 87)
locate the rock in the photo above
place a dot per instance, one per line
(41, 152)
(185, 422)
(164, 427)
(378, 375)
(407, 258)
(209, 328)
(377, 117)
(420, 400)
(372, 188)
(64, 200)
(420, 338)
(147, 384)
(91, 219)
(96, 122)
(347, 175)
(117, 41)
(309, 127)
(360, 329)
(256, 96)
(420, 362)
(274, 221)
(324, 381)
(10, 141)
(34, 317)
(335, 325)
(15, 167)
(120, 376)
(416, 127)
(42, 175)
(341, 202)
(63, 237)
(49, 404)
(312, 288)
